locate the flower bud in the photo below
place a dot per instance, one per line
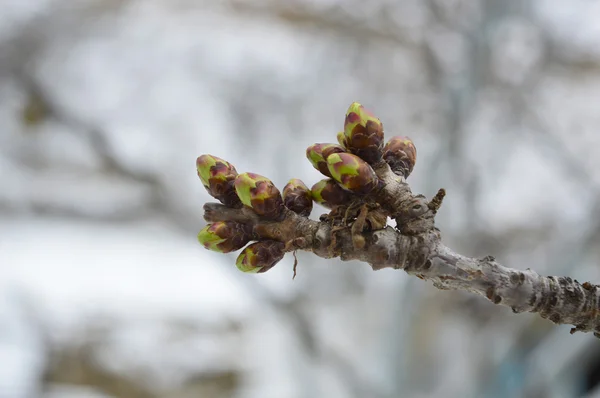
(217, 176)
(224, 236)
(317, 155)
(297, 197)
(330, 194)
(261, 256)
(341, 138)
(260, 194)
(352, 173)
(363, 133)
(400, 153)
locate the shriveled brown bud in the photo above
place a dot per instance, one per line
(260, 194)
(400, 154)
(352, 173)
(261, 256)
(225, 236)
(297, 197)
(217, 176)
(317, 155)
(330, 194)
(363, 133)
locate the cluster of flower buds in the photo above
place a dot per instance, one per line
(400, 153)
(260, 194)
(349, 172)
(234, 190)
(363, 134)
(330, 194)
(297, 197)
(225, 236)
(260, 256)
(217, 176)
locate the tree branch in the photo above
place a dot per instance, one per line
(415, 246)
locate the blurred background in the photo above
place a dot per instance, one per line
(105, 105)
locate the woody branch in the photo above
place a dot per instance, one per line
(368, 185)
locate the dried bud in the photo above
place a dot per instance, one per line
(317, 155)
(297, 197)
(329, 193)
(224, 236)
(260, 256)
(400, 153)
(341, 138)
(260, 194)
(363, 133)
(352, 173)
(217, 176)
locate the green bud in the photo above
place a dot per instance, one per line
(224, 236)
(352, 173)
(317, 155)
(261, 256)
(297, 197)
(401, 154)
(341, 138)
(217, 176)
(260, 194)
(363, 133)
(330, 194)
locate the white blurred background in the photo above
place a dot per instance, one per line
(105, 105)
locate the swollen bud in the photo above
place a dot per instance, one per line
(260, 194)
(224, 236)
(363, 133)
(297, 197)
(341, 138)
(352, 173)
(400, 153)
(330, 194)
(261, 256)
(317, 155)
(217, 176)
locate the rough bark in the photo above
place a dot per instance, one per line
(415, 246)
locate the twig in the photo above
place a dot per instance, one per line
(416, 247)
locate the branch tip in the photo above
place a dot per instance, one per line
(435, 203)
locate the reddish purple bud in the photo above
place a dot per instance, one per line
(317, 155)
(297, 197)
(352, 173)
(217, 176)
(401, 154)
(225, 236)
(260, 194)
(261, 256)
(363, 133)
(330, 194)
